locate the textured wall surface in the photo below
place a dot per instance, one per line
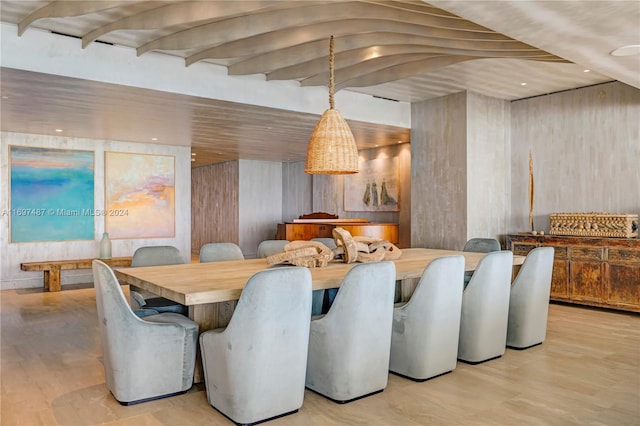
(488, 167)
(12, 254)
(327, 192)
(214, 204)
(297, 191)
(438, 172)
(586, 153)
(260, 207)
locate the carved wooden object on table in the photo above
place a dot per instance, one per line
(350, 249)
(592, 271)
(594, 224)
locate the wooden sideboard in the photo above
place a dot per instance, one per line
(307, 231)
(601, 272)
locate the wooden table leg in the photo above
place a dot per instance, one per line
(407, 287)
(209, 316)
(52, 279)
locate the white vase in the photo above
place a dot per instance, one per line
(105, 246)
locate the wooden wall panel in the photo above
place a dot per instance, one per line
(214, 204)
(586, 152)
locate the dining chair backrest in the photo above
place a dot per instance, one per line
(329, 242)
(255, 367)
(424, 342)
(156, 256)
(529, 299)
(349, 347)
(482, 245)
(485, 309)
(270, 247)
(216, 252)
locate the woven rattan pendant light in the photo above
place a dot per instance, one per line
(332, 148)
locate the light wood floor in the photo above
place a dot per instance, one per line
(586, 373)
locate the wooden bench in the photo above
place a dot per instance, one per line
(52, 268)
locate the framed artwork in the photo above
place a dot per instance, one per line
(375, 188)
(51, 194)
(140, 195)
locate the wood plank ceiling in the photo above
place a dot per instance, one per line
(383, 48)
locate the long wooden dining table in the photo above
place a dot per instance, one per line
(211, 290)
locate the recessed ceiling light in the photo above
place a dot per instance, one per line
(193, 159)
(632, 49)
(59, 130)
(586, 70)
(193, 153)
(523, 84)
(154, 139)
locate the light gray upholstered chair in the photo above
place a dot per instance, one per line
(329, 242)
(216, 252)
(485, 309)
(269, 247)
(146, 358)
(319, 295)
(482, 245)
(255, 367)
(529, 300)
(424, 343)
(155, 256)
(479, 245)
(349, 347)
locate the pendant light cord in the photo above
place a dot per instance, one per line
(331, 105)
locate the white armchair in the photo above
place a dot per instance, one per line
(349, 347)
(144, 359)
(424, 343)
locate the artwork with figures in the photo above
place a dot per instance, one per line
(51, 194)
(375, 188)
(140, 195)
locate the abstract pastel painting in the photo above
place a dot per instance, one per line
(51, 194)
(374, 188)
(140, 195)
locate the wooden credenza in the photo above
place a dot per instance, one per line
(601, 272)
(307, 231)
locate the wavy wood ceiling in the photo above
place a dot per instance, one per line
(375, 41)
(401, 50)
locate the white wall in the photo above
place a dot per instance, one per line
(12, 254)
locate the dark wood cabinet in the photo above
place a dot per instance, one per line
(591, 271)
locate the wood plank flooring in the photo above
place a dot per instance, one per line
(587, 372)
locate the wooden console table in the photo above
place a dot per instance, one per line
(52, 268)
(596, 271)
(323, 229)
